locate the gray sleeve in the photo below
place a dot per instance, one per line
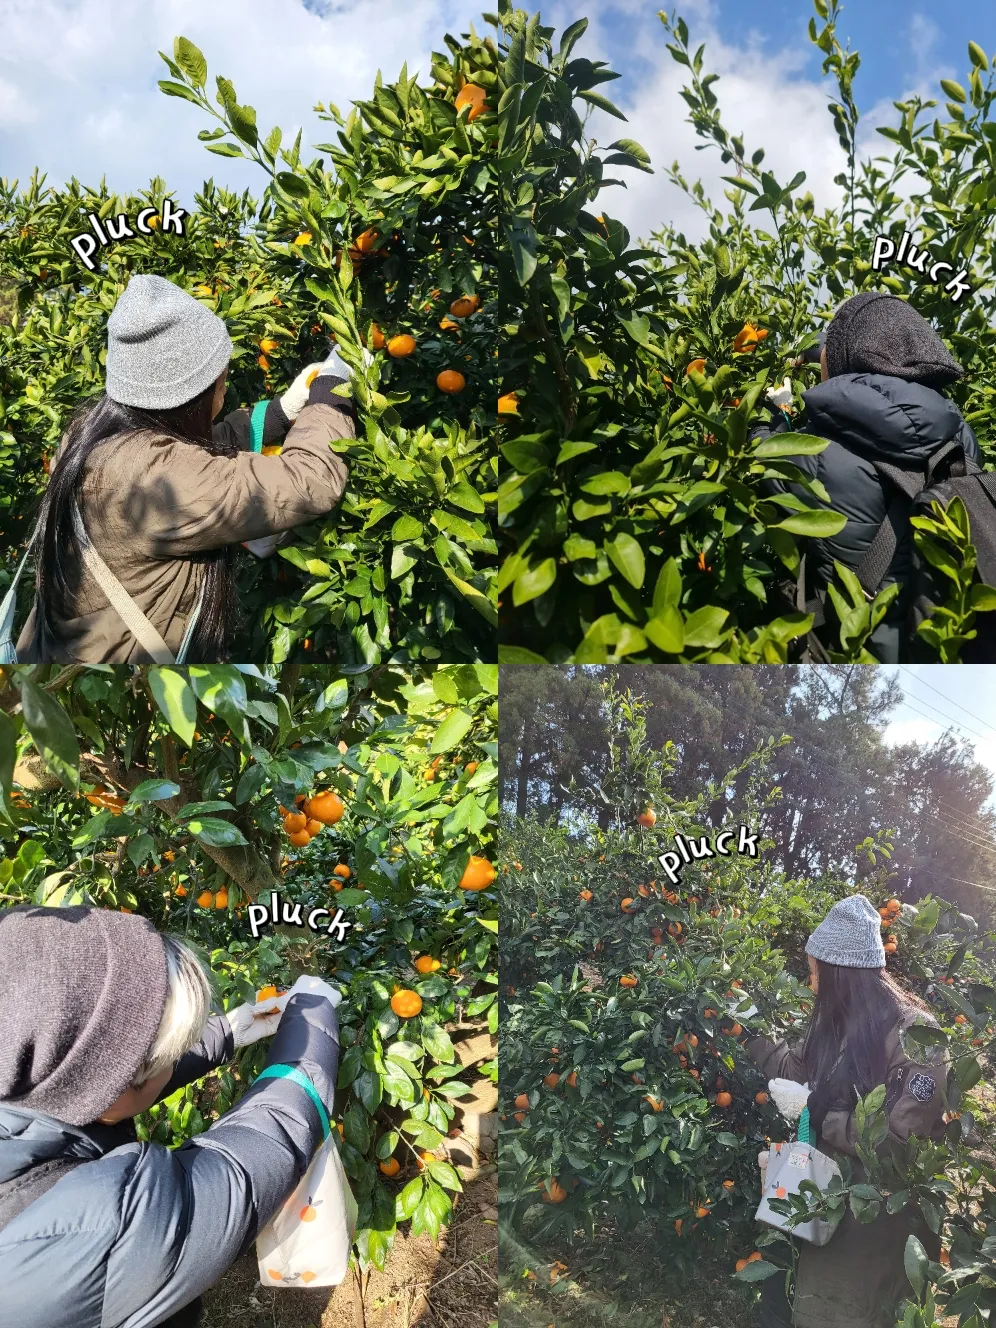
(200, 1206)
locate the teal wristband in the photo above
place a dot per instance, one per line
(299, 1077)
(256, 422)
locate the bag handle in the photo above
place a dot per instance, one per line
(122, 603)
(301, 1079)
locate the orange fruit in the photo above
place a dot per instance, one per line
(313, 827)
(553, 1191)
(427, 964)
(628, 980)
(400, 347)
(367, 241)
(626, 904)
(377, 339)
(448, 325)
(724, 1099)
(585, 895)
(702, 1211)
(308, 1213)
(391, 1167)
(266, 993)
(477, 875)
(741, 1265)
(655, 1104)
(303, 238)
(267, 344)
(465, 306)
(221, 899)
(295, 821)
(572, 1079)
(648, 818)
(450, 382)
(760, 1098)
(205, 899)
(551, 1080)
(300, 838)
(960, 1019)
(342, 870)
(508, 404)
(696, 366)
(424, 1158)
(263, 362)
(753, 1258)
(326, 807)
(470, 767)
(522, 1102)
(180, 891)
(728, 1184)
(405, 1003)
(474, 96)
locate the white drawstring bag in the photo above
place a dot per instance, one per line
(308, 1242)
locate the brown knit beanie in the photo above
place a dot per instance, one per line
(84, 994)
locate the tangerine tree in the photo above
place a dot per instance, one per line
(167, 792)
(627, 1099)
(635, 518)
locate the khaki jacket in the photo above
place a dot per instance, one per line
(151, 504)
(856, 1279)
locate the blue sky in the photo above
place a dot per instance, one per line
(78, 91)
(938, 698)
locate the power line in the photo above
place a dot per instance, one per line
(950, 699)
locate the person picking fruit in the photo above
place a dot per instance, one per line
(856, 1041)
(147, 499)
(105, 1016)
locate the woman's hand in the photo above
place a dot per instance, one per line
(295, 398)
(258, 1020)
(312, 986)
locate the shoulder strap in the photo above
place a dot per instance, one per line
(8, 606)
(122, 603)
(301, 1079)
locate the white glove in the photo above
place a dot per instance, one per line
(335, 365)
(781, 396)
(789, 1097)
(311, 986)
(262, 548)
(256, 1020)
(295, 398)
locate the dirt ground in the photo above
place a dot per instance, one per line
(452, 1284)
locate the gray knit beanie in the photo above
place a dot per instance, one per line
(84, 994)
(163, 346)
(850, 935)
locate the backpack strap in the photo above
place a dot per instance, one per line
(122, 603)
(906, 486)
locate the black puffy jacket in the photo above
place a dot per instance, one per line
(868, 416)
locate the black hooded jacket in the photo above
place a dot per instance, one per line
(865, 416)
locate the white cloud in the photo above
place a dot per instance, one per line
(78, 78)
(904, 731)
(761, 98)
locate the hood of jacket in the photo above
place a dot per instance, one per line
(882, 417)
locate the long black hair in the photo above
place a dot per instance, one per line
(845, 1054)
(59, 554)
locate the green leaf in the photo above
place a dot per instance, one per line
(603, 103)
(452, 731)
(790, 445)
(152, 790)
(533, 582)
(705, 627)
(292, 184)
(406, 528)
(175, 698)
(221, 689)
(816, 522)
(523, 243)
(631, 148)
(474, 597)
(8, 753)
(758, 1271)
(667, 630)
(977, 55)
(956, 92)
(52, 732)
(191, 61)
(917, 1265)
(627, 556)
(212, 830)
(172, 89)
